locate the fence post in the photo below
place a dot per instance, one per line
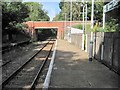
(86, 43)
(83, 41)
(102, 47)
(94, 44)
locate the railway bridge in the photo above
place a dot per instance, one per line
(60, 26)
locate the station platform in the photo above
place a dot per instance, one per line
(72, 69)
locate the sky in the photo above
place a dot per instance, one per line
(51, 6)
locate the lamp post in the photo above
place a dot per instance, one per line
(91, 41)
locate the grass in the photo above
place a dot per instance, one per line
(78, 26)
(99, 28)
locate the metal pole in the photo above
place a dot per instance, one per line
(102, 47)
(33, 31)
(91, 42)
(83, 17)
(83, 28)
(65, 28)
(86, 14)
(70, 21)
(103, 18)
(86, 26)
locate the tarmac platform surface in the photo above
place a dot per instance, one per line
(72, 69)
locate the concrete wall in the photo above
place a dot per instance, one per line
(76, 39)
(111, 47)
(88, 41)
(98, 43)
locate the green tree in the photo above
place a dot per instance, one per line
(77, 10)
(98, 10)
(36, 12)
(13, 13)
(65, 8)
(43, 16)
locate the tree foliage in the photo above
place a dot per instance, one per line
(15, 13)
(77, 9)
(36, 12)
(12, 14)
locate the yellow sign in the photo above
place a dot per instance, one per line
(95, 27)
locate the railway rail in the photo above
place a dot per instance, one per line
(11, 66)
(5, 63)
(26, 76)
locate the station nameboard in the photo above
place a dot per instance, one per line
(110, 6)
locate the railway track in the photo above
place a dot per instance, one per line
(9, 67)
(26, 76)
(5, 63)
(9, 61)
(12, 45)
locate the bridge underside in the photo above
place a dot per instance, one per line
(45, 33)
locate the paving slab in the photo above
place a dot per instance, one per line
(72, 69)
